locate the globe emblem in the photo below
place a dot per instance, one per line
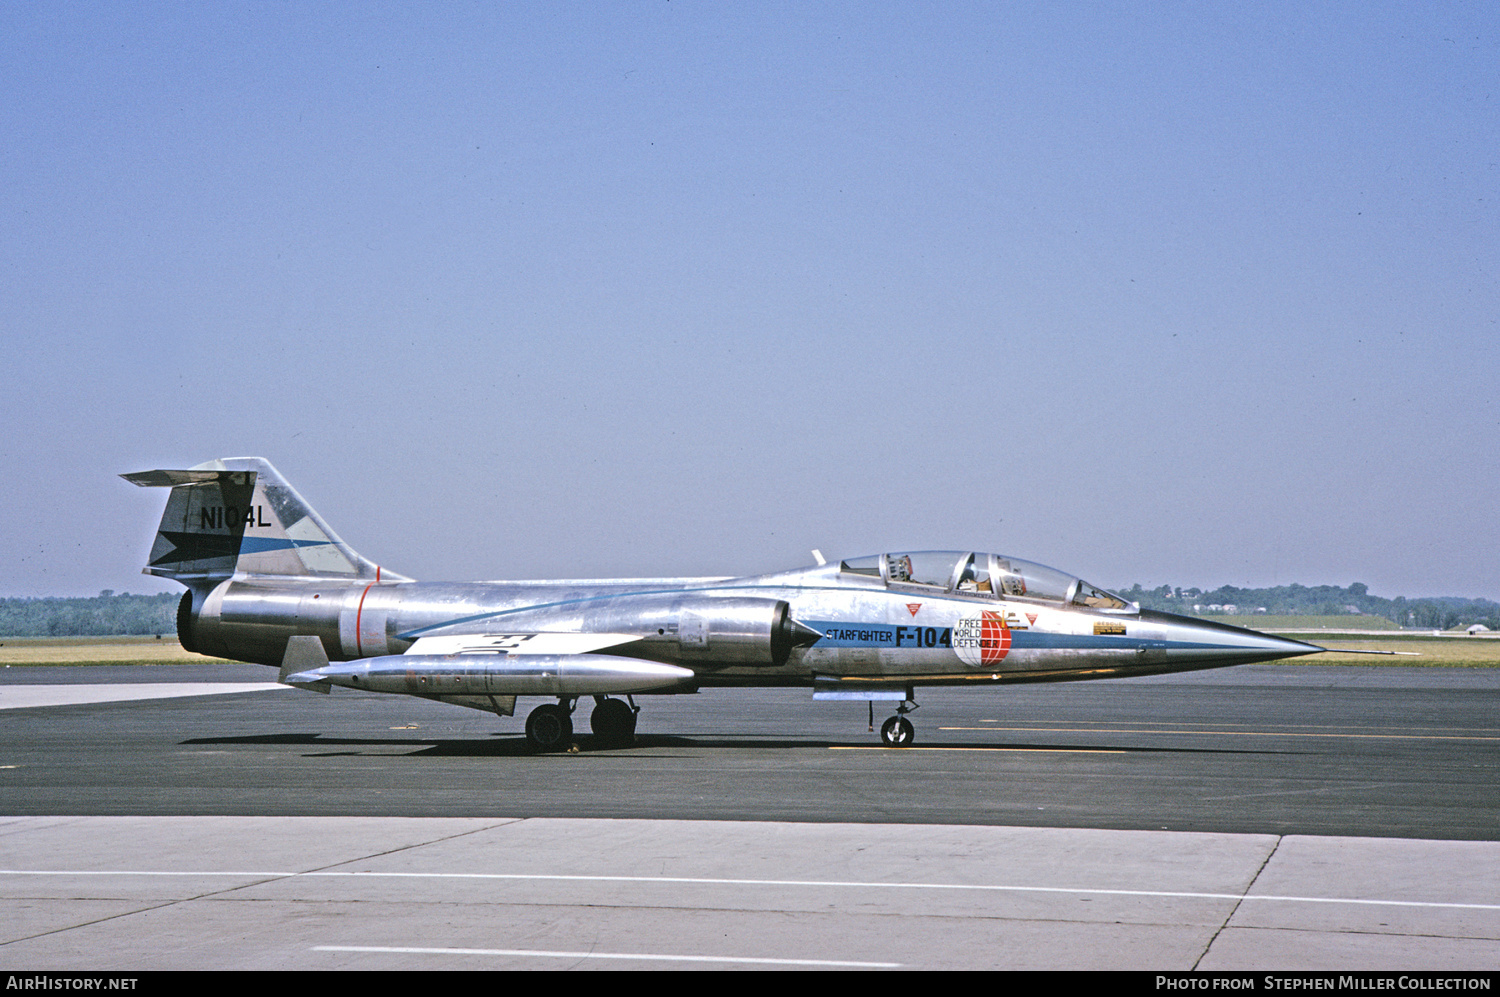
(981, 640)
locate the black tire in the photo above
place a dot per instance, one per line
(613, 722)
(897, 732)
(549, 728)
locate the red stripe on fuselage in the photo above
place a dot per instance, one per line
(359, 648)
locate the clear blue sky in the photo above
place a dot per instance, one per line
(1196, 294)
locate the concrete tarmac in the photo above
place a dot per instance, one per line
(1265, 817)
(164, 893)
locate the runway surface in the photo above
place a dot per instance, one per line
(1276, 749)
(1024, 829)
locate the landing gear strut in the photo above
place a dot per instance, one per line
(897, 732)
(549, 727)
(613, 721)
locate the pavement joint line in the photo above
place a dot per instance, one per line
(331, 868)
(712, 881)
(1264, 862)
(256, 880)
(63, 929)
(634, 956)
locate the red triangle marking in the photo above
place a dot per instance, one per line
(1032, 618)
(914, 606)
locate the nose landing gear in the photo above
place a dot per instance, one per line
(897, 732)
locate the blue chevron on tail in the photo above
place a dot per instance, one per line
(238, 515)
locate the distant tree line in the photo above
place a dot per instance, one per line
(103, 615)
(1435, 613)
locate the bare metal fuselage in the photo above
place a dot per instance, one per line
(730, 631)
(269, 581)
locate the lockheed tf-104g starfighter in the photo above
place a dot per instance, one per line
(269, 582)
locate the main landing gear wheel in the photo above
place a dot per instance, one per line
(613, 722)
(549, 727)
(897, 732)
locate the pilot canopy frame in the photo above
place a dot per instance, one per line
(985, 576)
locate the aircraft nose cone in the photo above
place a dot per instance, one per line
(1207, 644)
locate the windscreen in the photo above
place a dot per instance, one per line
(984, 575)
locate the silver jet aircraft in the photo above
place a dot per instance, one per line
(269, 582)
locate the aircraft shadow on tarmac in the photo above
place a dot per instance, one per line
(511, 745)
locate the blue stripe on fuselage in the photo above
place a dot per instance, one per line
(855, 634)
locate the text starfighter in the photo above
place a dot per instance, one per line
(269, 582)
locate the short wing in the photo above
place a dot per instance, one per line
(519, 643)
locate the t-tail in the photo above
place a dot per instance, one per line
(237, 518)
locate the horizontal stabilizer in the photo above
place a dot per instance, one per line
(171, 479)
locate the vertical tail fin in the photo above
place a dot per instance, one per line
(239, 515)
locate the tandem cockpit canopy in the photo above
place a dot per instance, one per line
(993, 576)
